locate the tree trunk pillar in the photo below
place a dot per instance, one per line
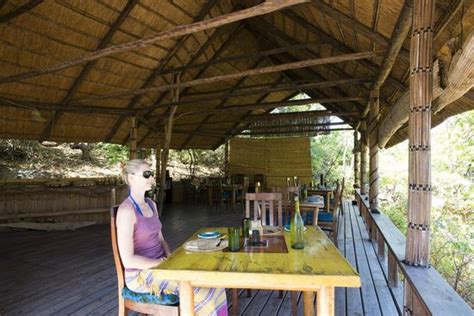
(374, 149)
(226, 157)
(356, 153)
(419, 125)
(363, 158)
(133, 138)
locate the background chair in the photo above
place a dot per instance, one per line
(288, 202)
(328, 220)
(142, 303)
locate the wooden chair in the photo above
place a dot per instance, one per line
(329, 220)
(127, 304)
(263, 203)
(288, 203)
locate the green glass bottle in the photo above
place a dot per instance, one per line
(297, 228)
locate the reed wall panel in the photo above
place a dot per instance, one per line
(277, 159)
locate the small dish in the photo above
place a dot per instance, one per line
(287, 228)
(209, 235)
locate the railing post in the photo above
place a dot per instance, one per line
(392, 270)
(356, 153)
(363, 158)
(381, 245)
(374, 149)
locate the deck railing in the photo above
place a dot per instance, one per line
(426, 292)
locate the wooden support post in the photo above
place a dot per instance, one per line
(392, 270)
(158, 167)
(133, 138)
(308, 303)
(166, 147)
(363, 158)
(381, 245)
(419, 167)
(325, 301)
(186, 298)
(356, 153)
(226, 157)
(374, 148)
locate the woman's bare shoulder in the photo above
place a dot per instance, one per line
(126, 212)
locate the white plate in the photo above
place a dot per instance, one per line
(205, 245)
(287, 228)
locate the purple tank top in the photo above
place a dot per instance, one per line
(146, 241)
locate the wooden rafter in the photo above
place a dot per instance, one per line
(269, 29)
(156, 72)
(220, 105)
(309, 130)
(182, 30)
(268, 88)
(87, 68)
(399, 35)
(252, 72)
(19, 11)
(201, 51)
(339, 46)
(271, 105)
(243, 57)
(356, 25)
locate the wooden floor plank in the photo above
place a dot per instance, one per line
(72, 272)
(353, 295)
(378, 278)
(371, 302)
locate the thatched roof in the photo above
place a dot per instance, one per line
(92, 100)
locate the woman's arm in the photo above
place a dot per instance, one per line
(165, 245)
(125, 226)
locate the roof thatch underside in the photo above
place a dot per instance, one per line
(40, 34)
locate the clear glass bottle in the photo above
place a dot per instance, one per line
(297, 228)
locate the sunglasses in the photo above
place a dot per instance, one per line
(147, 174)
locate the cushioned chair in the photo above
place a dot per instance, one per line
(146, 303)
(329, 220)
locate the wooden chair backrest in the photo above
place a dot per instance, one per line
(337, 199)
(118, 262)
(263, 202)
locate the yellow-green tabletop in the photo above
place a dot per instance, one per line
(319, 267)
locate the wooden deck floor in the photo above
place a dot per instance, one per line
(44, 273)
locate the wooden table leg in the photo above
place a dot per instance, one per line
(315, 216)
(186, 298)
(294, 303)
(308, 303)
(325, 301)
(328, 198)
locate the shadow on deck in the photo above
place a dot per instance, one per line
(46, 273)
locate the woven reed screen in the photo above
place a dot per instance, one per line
(277, 159)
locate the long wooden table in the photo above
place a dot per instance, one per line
(326, 192)
(319, 267)
(307, 206)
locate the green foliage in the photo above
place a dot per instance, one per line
(452, 218)
(112, 152)
(198, 160)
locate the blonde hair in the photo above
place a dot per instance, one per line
(130, 167)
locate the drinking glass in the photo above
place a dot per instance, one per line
(234, 238)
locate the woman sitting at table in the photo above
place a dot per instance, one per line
(142, 246)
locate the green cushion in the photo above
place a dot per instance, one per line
(148, 298)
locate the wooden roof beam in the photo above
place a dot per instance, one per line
(460, 81)
(339, 46)
(398, 37)
(357, 26)
(252, 72)
(87, 68)
(263, 89)
(182, 30)
(270, 105)
(298, 132)
(243, 57)
(19, 11)
(156, 72)
(201, 51)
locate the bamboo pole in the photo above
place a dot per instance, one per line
(356, 153)
(363, 158)
(419, 125)
(133, 138)
(158, 165)
(374, 148)
(226, 157)
(166, 147)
